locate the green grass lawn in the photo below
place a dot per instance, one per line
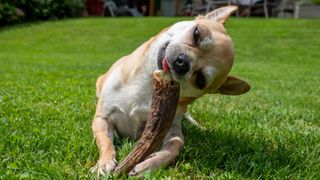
(47, 100)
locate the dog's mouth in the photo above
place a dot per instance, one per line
(162, 61)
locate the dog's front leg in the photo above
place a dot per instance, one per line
(103, 133)
(170, 149)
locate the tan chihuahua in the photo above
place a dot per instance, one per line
(199, 55)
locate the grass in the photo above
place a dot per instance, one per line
(47, 100)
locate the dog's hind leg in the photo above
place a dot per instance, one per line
(103, 133)
(170, 149)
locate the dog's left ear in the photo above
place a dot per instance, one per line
(221, 14)
(233, 86)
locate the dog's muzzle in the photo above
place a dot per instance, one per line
(180, 64)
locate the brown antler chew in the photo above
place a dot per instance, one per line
(164, 103)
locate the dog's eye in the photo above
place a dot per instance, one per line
(200, 80)
(196, 36)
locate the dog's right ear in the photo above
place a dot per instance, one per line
(233, 86)
(221, 14)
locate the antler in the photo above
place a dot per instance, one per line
(164, 103)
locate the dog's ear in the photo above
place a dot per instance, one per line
(221, 14)
(233, 86)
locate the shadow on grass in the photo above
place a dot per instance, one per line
(222, 151)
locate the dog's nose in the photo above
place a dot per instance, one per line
(181, 65)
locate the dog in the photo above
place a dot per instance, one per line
(199, 55)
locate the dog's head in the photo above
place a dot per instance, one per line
(199, 54)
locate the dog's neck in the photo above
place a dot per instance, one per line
(151, 55)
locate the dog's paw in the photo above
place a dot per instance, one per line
(104, 167)
(152, 162)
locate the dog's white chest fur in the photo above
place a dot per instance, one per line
(128, 107)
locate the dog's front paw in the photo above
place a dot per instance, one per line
(154, 161)
(104, 167)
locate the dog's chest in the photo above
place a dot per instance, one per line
(128, 106)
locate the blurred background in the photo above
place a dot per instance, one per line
(15, 11)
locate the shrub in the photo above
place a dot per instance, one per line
(40, 9)
(8, 14)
